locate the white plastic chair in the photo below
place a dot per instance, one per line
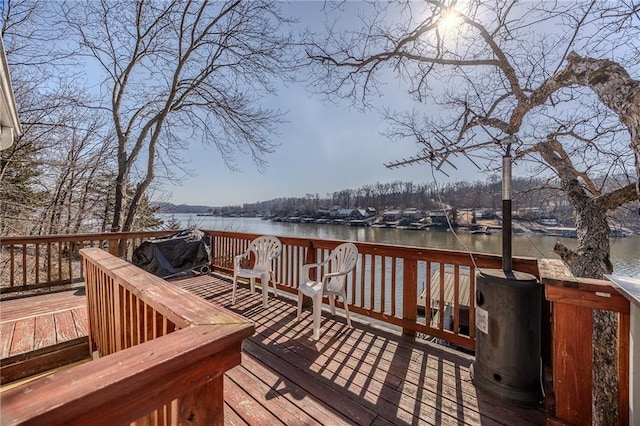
(265, 250)
(333, 283)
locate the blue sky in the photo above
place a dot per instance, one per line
(324, 147)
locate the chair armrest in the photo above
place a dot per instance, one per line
(330, 275)
(304, 272)
(239, 257)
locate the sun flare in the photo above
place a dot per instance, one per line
(449, 21)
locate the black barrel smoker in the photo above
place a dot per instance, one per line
(165, 257)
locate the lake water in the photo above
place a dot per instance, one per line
(625, 252)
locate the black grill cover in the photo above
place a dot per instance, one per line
(183, 251)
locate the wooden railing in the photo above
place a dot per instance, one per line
(162, 353)
(135, 316)
(573, 302)
(388, 280)
(28, 263)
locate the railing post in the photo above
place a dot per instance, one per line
(113, 247)
(409, 293)
(574, 301)
(204, 406)
(310, 255)
(572, 379)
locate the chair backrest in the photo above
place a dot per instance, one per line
(265, 249)
(342, 259)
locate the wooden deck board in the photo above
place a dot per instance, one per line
(65, 327)
(81, 321)
(23, 336)
(37, 322)
(231, 418)
(6, 336)
(45, 333)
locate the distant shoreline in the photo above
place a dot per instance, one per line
(528, 244)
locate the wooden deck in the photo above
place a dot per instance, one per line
(42, 332)
(366, 375)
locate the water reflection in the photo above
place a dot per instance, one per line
(625, 252)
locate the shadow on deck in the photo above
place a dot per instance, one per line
(366, 375)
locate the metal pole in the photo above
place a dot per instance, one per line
(506, 211)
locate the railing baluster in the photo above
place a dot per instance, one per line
(441, 305)
(59, 261)
(362, 281)
(427, 295)
(132, 321)
(72, 246)
(24, 264)
(383, 284)
(456, 299)
(372, 281)
(48, 261)
(37, 262)
(394, 262)
(12, 267)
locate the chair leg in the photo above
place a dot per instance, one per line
(332, 303)
(252, 284)
(273, 280)
(317, 312)
(300, 297)
(233, 293)
(265, 290)
(346, 309)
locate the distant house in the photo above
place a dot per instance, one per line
(365, 213)
(9, 123)
(412, 214)
(391, 215)
(441, 218)
(343, 214)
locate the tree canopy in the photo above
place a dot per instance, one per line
(552, 79)
(134, 84)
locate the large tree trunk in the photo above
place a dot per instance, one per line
(590, 259)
